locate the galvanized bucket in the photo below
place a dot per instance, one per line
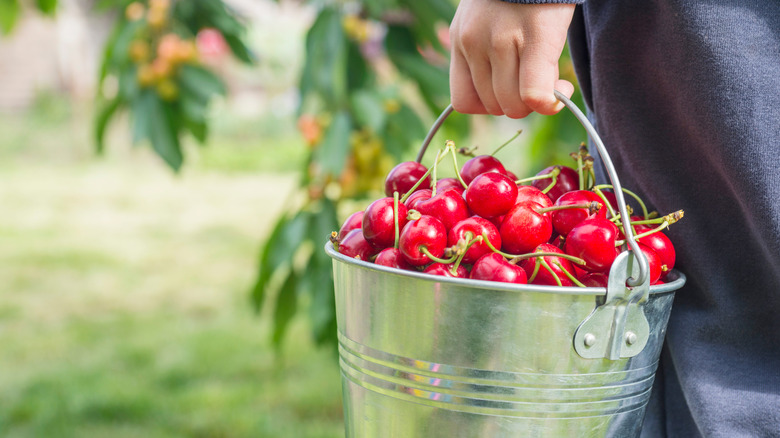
(429, 356)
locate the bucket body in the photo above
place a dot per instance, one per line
(428, 356)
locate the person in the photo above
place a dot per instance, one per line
(686, 96)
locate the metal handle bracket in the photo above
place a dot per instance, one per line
(618, 328)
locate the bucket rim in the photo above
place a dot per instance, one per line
(677, 283)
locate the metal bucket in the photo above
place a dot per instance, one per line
(429, 356)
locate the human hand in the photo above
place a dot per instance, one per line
(505, 57)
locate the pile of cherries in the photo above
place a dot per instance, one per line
(555, 228)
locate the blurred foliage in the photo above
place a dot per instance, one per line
(156, 56)
(11, 10)
(374, 70)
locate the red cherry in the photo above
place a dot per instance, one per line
(491, 194)
(661, 244)
(355, 245)
(557, 240)
(404, 176)
(480, 164)
(448, 206)
(496, 220)
(449, 183)
(593, 240)
(493, 267)
(379, 223)
(564, 220)
(355, 220)
(417, 196)
(446, 270)
(426, 232)
(567, 181)
(477, 226)
(654, 261)
(595, 279)
(523, 229)
(531, 193)
(543, 276)
(392, 257)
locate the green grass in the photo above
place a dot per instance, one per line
(124, 308)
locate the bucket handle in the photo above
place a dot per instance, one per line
(644, 267)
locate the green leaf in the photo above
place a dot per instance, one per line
(325, 70)
(318, 279)
(427, 16)
(193, 108)
(333, 151)
(108, 52)
(48, 7)
(128, 83)
(120, 50)
(9, 14)
(142, 109)
(359, 75)
(104, 116)
(200, 82)
(285, 239)
(322, 312)
(433, 81)
(286, 306)
(164, 134)
(239, 49)
(153, 119)
(404, 130)
(368, 109)
(198, 129)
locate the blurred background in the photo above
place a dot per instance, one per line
(169, 172)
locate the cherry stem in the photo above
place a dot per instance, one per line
(493, 154)
(579, 171)
(451, 146)
(630, 193)
(546, 265)
(514, 258)
(428, 254)
(646, 233)
(598, 191)
(395, 218)
(517, 258)
(568, 274)
(671, 218)
(592, 176)
(533, 178)
(433, 175)
(595, 206)
(468, 152)
(554, 173)
(535, 271)
(470, 240)
(419, 182)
